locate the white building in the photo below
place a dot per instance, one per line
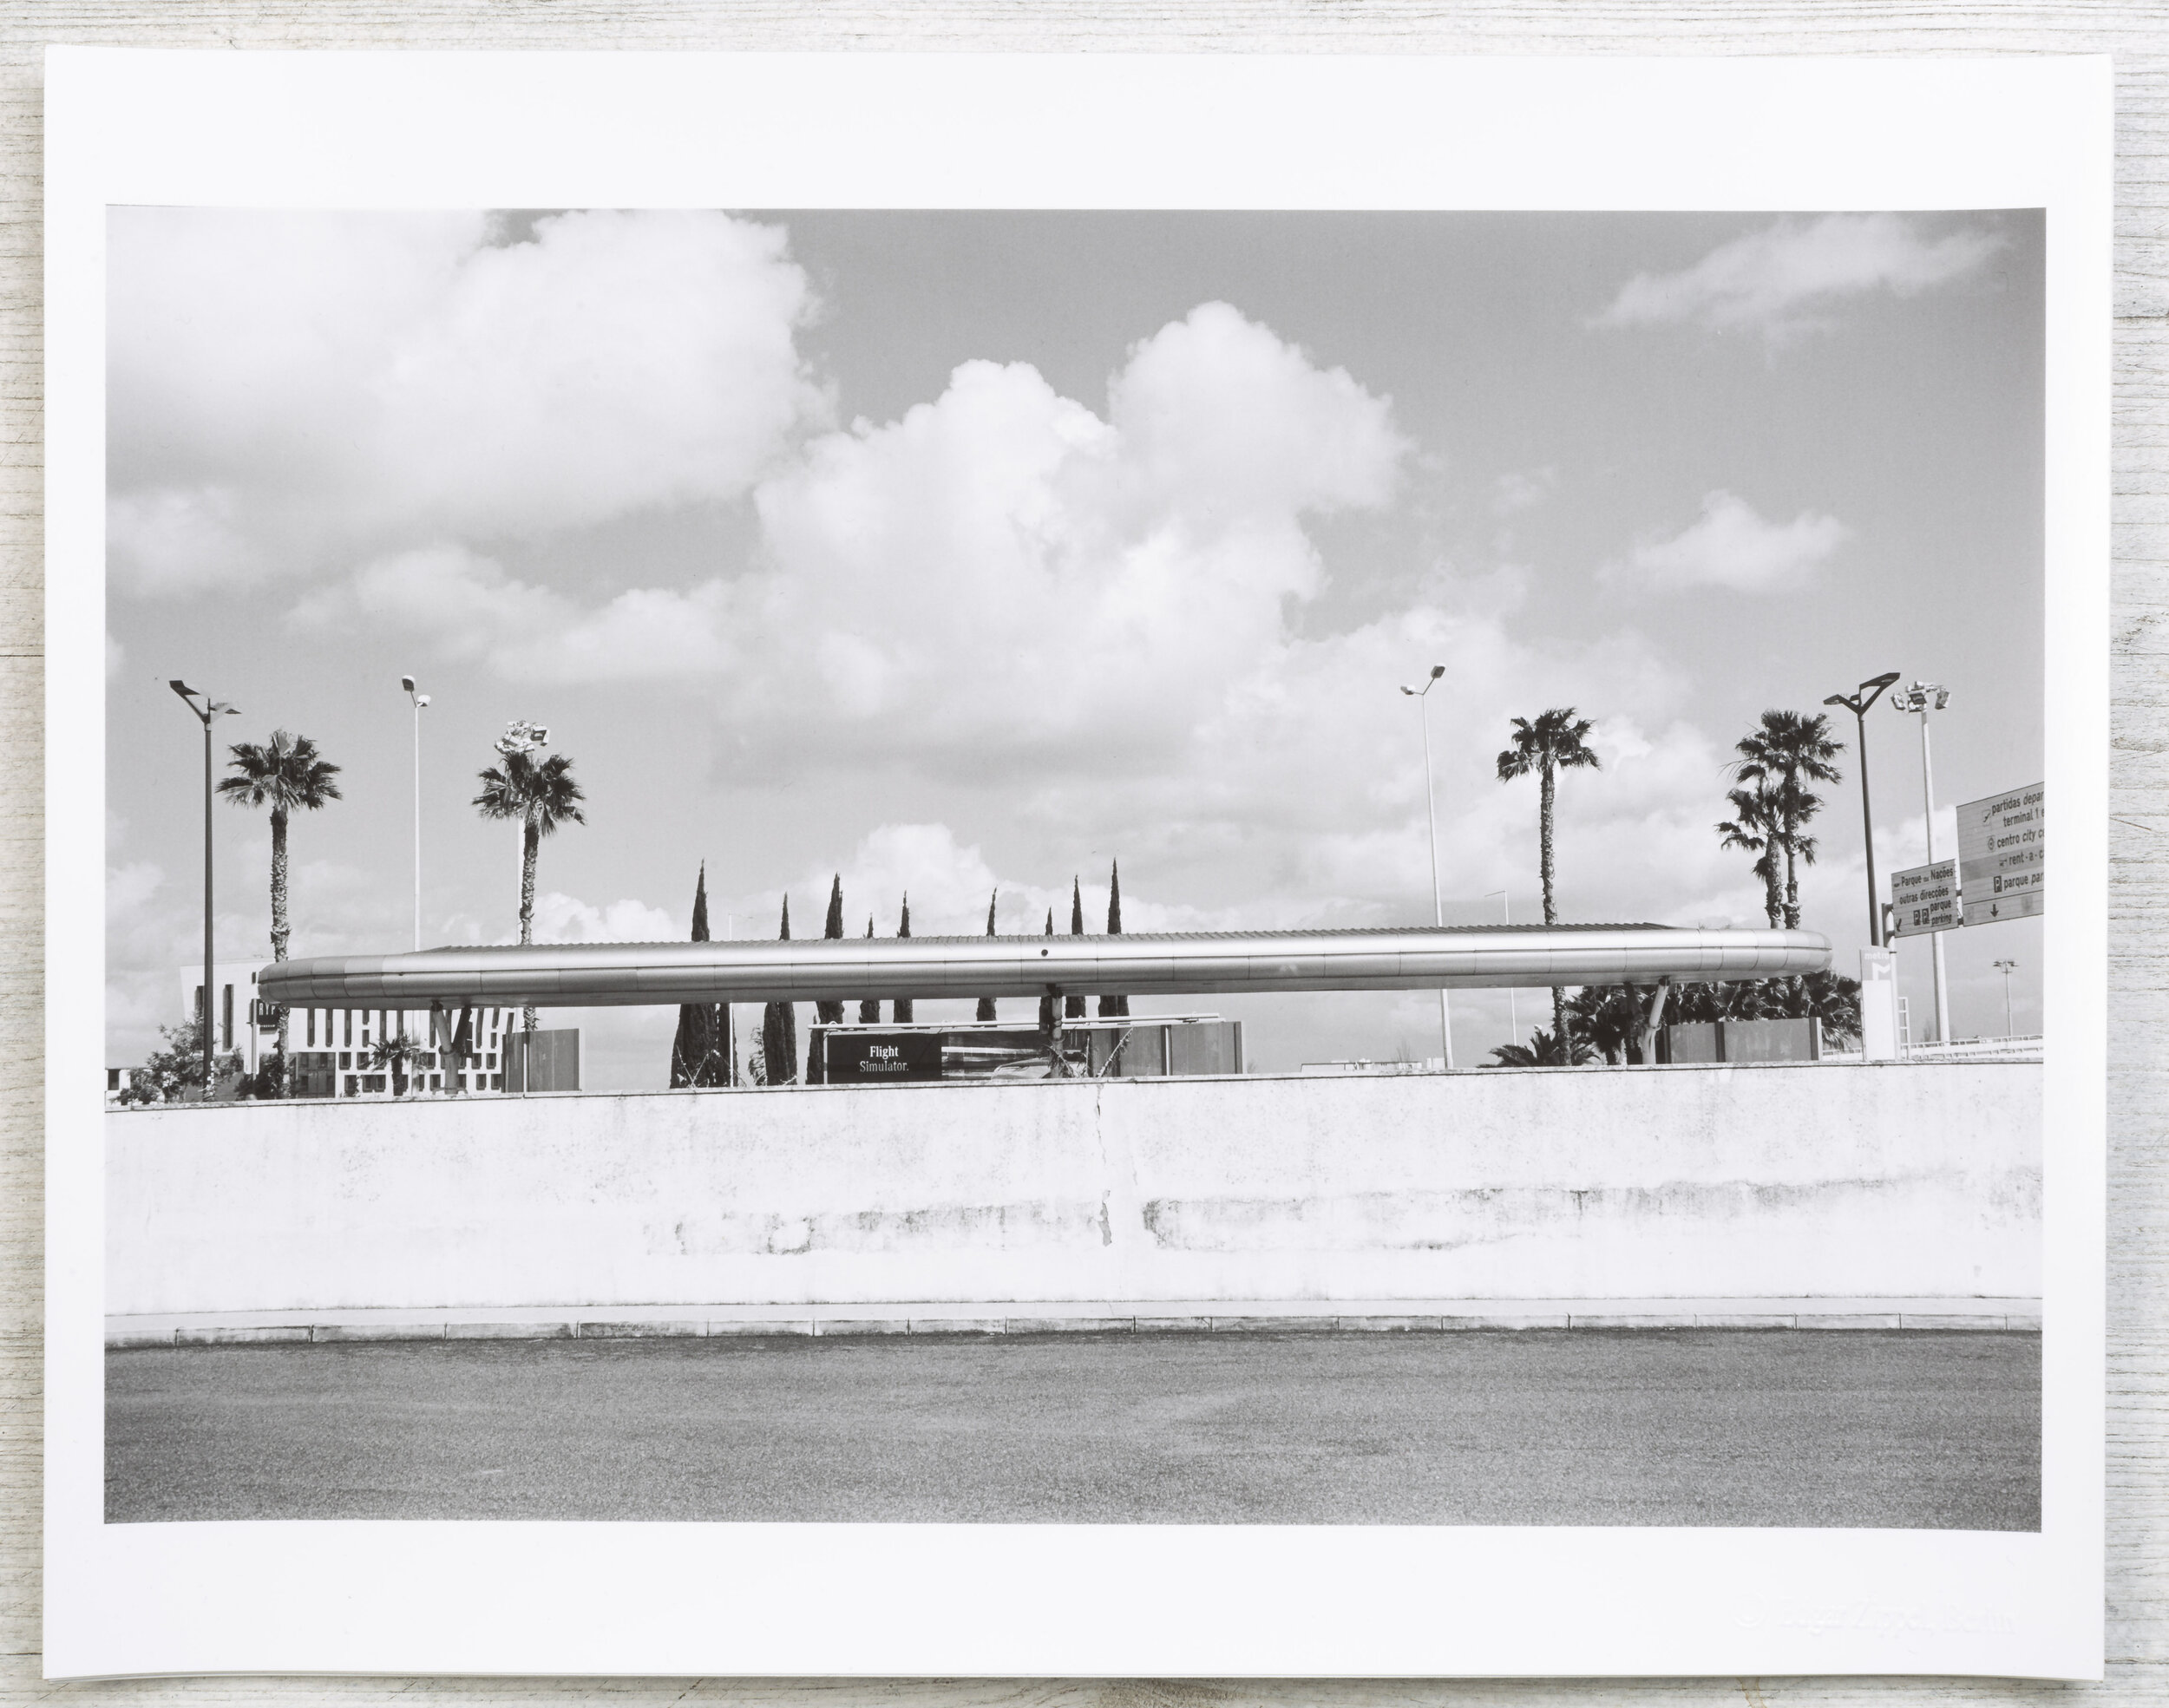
(330, 1049)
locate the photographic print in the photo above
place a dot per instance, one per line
(605, 579)
(1178, 870)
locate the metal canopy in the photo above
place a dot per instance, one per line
(599, 975)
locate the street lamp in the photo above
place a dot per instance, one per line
(1506, 917)
(209, 710)
(1437, 908)
(2007, 968)
(1924, 697)
(1857, 704)
(418, 701)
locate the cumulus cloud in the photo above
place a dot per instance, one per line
(1730, 546)
(1770, 279)
(471, 608)
(1522, 489)
(566, 918)
(287, 390)
(1106, 577)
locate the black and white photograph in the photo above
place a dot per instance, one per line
(1080, 867)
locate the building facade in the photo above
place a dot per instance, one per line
(334, 1051)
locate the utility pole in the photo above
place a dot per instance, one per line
(209, 710)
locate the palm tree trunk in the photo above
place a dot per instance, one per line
(530, 846)
(1546, 793)
(279, 918)
(1791, 881)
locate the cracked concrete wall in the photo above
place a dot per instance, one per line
(1701, 1182)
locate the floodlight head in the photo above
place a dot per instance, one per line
(180, 688)
(421, 700)
(1840, 700)
(1405, 689)
(1943, 698)
(1880, 682)
(1438, 670)
(407, 683)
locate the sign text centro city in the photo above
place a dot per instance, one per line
(2002, 845)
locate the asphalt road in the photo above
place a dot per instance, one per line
(1911, 1430)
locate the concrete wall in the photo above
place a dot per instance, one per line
(1696, 1182)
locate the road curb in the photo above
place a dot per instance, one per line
(135, 1335)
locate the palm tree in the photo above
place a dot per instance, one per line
(1788, 751)
(1556, 742)
(285, 774)
(1543, 1049)
(1754, 826)
(541, 796)
(399, 1053)
(985, 1011)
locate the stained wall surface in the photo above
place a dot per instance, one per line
(1687, 1182)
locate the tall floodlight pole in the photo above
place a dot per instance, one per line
(418, 701)
(1430, 808)
(209, 710)
(1857, 704)
(2007, 968)
(1924, 697)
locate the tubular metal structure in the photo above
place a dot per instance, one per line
(601, 975)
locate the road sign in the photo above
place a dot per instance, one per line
(2003, 849)
(1924, 898)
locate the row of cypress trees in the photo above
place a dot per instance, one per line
(700, 1054)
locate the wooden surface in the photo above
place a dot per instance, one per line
(2139, 898)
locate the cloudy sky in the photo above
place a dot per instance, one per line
(963, 553)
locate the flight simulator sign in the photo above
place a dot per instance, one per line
(2002, 854)
(1924, 898)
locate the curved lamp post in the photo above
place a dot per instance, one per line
(1422, 697)
(209, 710)
(1857, 704)
(418, 701)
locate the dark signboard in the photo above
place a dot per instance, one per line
(857, 1055)
(854, 1056)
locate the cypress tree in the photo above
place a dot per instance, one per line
(696, 1053)
(1046, 1003)
(902, 1015)
(1073, 1007)
(1114, 1007)
(779, 1028)
(869, 1007)
(987, 1003)
(831, 1013)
